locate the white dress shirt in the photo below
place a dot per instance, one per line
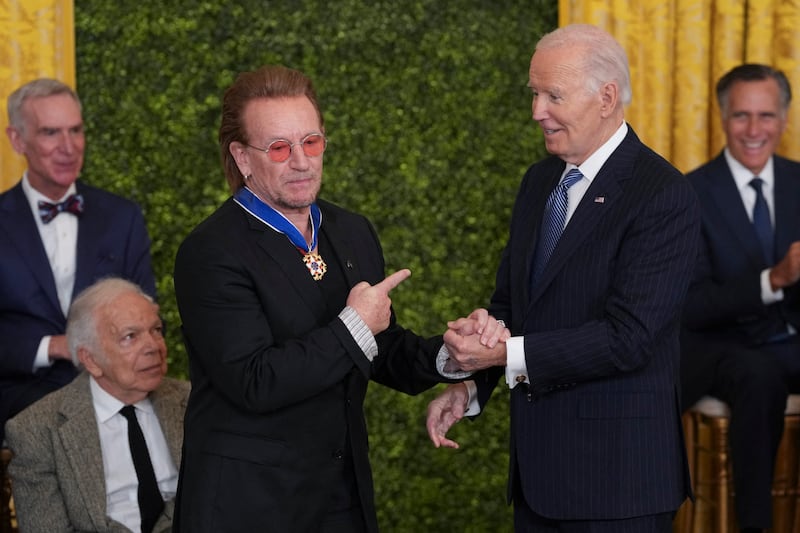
(60, 238)
(742, 176)
(122, 501)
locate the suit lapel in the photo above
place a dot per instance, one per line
(598, 200)
(289, 261)
(91, 226)
(80, 440)
(342, 247)
(21, 229)
(531, 213)
(787, 207)
(724, 194)
(170, 416)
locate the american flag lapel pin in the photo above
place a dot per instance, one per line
(599, 199)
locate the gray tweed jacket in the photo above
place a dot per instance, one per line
(56, 473)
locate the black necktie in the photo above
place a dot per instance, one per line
(150, 501)
(73, 204)
(762, 222)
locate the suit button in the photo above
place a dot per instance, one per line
(338, 455)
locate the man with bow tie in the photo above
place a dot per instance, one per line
(57, 236)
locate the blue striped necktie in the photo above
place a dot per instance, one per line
(762, 222)
(553, 221)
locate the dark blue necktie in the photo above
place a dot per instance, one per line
(553, 221)
(151, 504)
(762, 222)
(73, 204)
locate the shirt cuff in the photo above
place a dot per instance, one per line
(360, 332)
(768, 296)
(449, 367)
(473, 406)
(42, 358)
(516, 368)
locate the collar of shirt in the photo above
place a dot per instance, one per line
(742, 177)
(595, 162)
(591, 167)
(34, 196)
(106, 405)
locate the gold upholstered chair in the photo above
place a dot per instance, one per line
(706, 429)
(8, 521)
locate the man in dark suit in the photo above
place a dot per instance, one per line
(73, 467)
(57, 236)
(743, 310)
(286, 317)
(592, 363)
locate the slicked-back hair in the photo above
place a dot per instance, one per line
(270, 81)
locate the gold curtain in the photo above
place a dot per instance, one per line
(679, 48)
(37, 39)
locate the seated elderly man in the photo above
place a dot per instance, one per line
(100, 454)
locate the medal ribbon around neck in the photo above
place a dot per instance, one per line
(275, 220)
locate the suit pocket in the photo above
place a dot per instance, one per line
(617, 405)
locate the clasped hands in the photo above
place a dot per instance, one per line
(474, 342)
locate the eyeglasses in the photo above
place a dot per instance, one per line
(280, 150)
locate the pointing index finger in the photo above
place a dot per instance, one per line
(393, 280)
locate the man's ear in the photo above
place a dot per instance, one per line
(240, 155)
(89, 363)
(609, 95)
(17, 143)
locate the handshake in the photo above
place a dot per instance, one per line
(474, 342)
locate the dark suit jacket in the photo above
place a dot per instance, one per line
(57, 469)
(112, 240)
(724, 306)
(278, 381)
(597, 435)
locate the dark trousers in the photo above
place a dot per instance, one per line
(526, 521)
(754, 382)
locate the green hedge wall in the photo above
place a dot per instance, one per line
(428, 115)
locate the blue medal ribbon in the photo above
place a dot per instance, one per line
(275, 219)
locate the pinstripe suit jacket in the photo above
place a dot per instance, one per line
(57, 470)
(597, 434)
